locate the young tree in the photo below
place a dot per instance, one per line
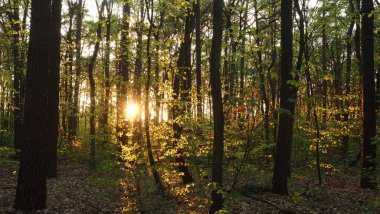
(123, 75)
(181, 92)
(288, 93)
(74, 117)
(217, 103)
(91, 68)
(53, 88)
(198, 64)
(17, 72)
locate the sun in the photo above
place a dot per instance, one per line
(131, 111)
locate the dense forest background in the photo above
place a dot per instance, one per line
(189, 106)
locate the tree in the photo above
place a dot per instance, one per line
(74, 117)
(91, 68)
(152, 162)
(53, 88)
(368, 175)
(181, 92)
(18, 74)
(31, 182)
(217, 103)
(288, 93)
(198, 65)
(121, 127)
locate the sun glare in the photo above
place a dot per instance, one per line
(131, 111)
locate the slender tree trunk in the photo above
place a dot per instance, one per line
(74, 118)
(107, 82)
(243, 28)
(122, 124)
(152, 162)
(304, 52)
(288, 93)
(159, 94)
(137, 123)
(17, 72)
(368, 177)
(260, 69)
(324, 68)
(198, 47)
(181, 89)
(217, 106)
(68, 71)
(91, 68)
(346, 138)
(359, 59)
(53, 91)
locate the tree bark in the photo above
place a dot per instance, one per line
(198, 47)
(368, 175)
(288, 93)
(181, 87)
(152, 162)
(346, 138)
(91, 68)
(217, 107)
(74, 118)
(122, 124)
(31, 181)
(53, 90)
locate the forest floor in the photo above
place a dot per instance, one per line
(78, 190)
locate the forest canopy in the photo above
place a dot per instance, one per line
(189, 106)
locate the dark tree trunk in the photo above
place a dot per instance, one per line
(217, 106)
(324, 69)
(91, 68)
(137, 123)
(17, 77)
(198, 47)
(53, 91)
(152, 162)
(107, 82)
(31, 182)
(181, 91)
(243, 27)
(358, 58)
(68, 71)
(304, 52)
(346, 138)
(288, 93)
(122, 124)
(159, 94)
(260, 69)
(368, 177)
(74, 117)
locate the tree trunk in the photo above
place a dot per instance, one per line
(53, 91)
(91, 68)
(346, 138)
(368, 176)
(31, 182)
(17, 72)
(198, 47)
(74, 118)
(181, 89)
(122, 124)
(288, 93)
(152, 162)
(217, 106)
(324, 69)
(260, 69)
